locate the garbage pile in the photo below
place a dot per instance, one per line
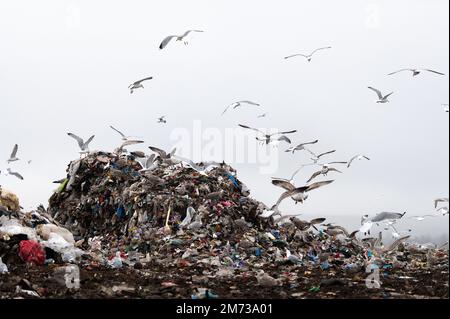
(33, 238)
(197, 233)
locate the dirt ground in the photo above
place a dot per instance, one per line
(157, 282)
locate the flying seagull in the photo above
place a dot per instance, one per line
(324, 171)
(292, 176)
(316, 158)
(15, 174)
(301, 147)
(125, 138)
(162, 120)
(416, 72)
(13, 157)
(381, 98)
(166, 41)
(120, 149)
(357, 157)
(268, 138)
(309, 56)
(138, 84)
(299, 194)
(237, 104)
(386, 216)
(148, 164)
(84, 146)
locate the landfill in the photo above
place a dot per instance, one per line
(115, 230)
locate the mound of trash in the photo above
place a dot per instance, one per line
(111, 196)
(177, 229)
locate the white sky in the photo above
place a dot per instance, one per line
(65, 66)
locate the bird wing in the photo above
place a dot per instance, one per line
(326, 153)
(385, 97)
(77, 138)
(351, 160)
(250, 102)
(150, 161)
(89, 141)
(317, 221)
(402, 70)
(294, 55)
(121, 134)
(284, 138)
(130, 142)
(14, 151)
(332, 169)
(314, 176)
(146, 79)
(251, 128)
(15, 174)
(166, 41)
(434, 71)
(296, 172)
(317, 185)
(160, 152)
(189, 31)
(337, 163)
(316, 50)
(378, 92)
(439, 200)
(283, 184)
(282, 133)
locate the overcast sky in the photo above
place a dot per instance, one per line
(65, 67)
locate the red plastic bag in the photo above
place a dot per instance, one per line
(31, 252)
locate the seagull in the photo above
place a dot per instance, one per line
(13, 157)
(381, 99)
(357, 157)
(138, 84)
(124, 138)
(304, 225)
(166, 41)
(309, 56)
(120, 149)
(298, 194)
(163, 154)
(324, 171)
(416, 72)
(268, 138)
(84, 146)
(149, 164)
(386, 216)
(15, 174)
(201, 169)
(292, 176)
(421, 218)
(301, 147)
(440, 200)
(237, 104)
(162, 119)
(316, 158)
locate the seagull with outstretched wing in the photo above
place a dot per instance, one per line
(416, 72)
(300, 194)
(237, 104)
(381, 98)
(357, 157)
(440, 200)
(182, 37)
(307, 56)
(268, 138)
(138, 84)
(302, 147)
(84, 146)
